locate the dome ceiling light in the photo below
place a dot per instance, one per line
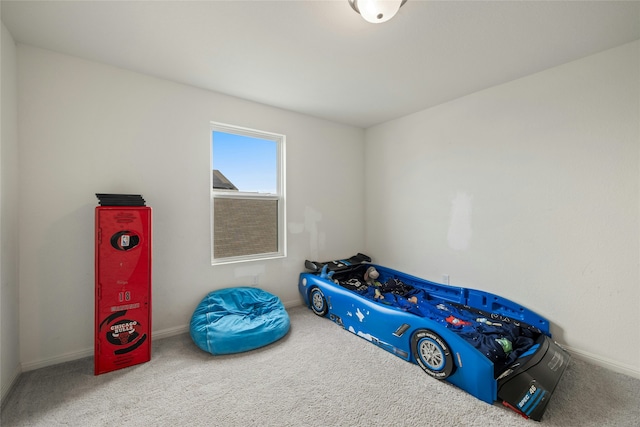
(377, 11)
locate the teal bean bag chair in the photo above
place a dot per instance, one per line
(239, 319)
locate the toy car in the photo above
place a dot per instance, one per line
(487, 345)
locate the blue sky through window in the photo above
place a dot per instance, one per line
(249, 163)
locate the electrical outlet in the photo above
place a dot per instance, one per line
(256, 279)
(445, 279)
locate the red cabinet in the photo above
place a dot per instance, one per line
(122, 287)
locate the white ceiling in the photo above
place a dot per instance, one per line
(320, 57)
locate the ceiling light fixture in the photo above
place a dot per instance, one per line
(377, 11)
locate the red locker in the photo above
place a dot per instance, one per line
(122, 287)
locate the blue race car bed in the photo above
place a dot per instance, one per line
(487, 345)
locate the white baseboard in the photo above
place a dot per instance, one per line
(291, 304)
(88, 352)
(67, 357)
(169, 332)
(6, 389)
(622, 368)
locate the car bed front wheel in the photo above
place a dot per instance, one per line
(318, 302)
(432, 353)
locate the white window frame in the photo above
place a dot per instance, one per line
(280, 141)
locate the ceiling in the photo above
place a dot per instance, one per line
(320, 57)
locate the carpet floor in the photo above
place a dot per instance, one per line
(317, 375)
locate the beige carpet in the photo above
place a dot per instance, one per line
(318, 375)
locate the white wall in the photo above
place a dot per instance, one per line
(529, 190)
(85, 127)
(9, 337)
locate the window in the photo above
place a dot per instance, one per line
(247, 194)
